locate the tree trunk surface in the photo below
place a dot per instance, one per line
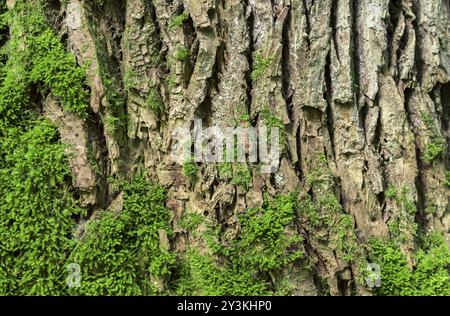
(360, 90)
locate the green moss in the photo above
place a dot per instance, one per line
(340, 225)
(264, 243)
(115, 117)
(244, 118)
(436, 146)
(59, 72)
(260, 67)
(191, 221)
(178, 20)
(401, 197)
(320, 177)
(112, 123)
(430, 275)
(391, 192)
(323, 210)
(270, 119)
(201, 274)
(36, 210)
(323, 287)
(172, 80)
(123, 253)
(309, 211)
(242, 266)
(431, 209)
(447, 179)
(41, 59)
(225, 170)
(434, 150)
(131, 78)
(345, 237)
(242, 115)
(402, 224)
(395, 229)
(272, 122)
(182, 54)
(155, 102)
(190, 170)
(242, 176)
(432, 271)
(395, 274)
(113, 93)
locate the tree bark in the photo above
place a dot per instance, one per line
(362, 89)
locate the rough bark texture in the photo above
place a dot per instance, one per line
(362, 89)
